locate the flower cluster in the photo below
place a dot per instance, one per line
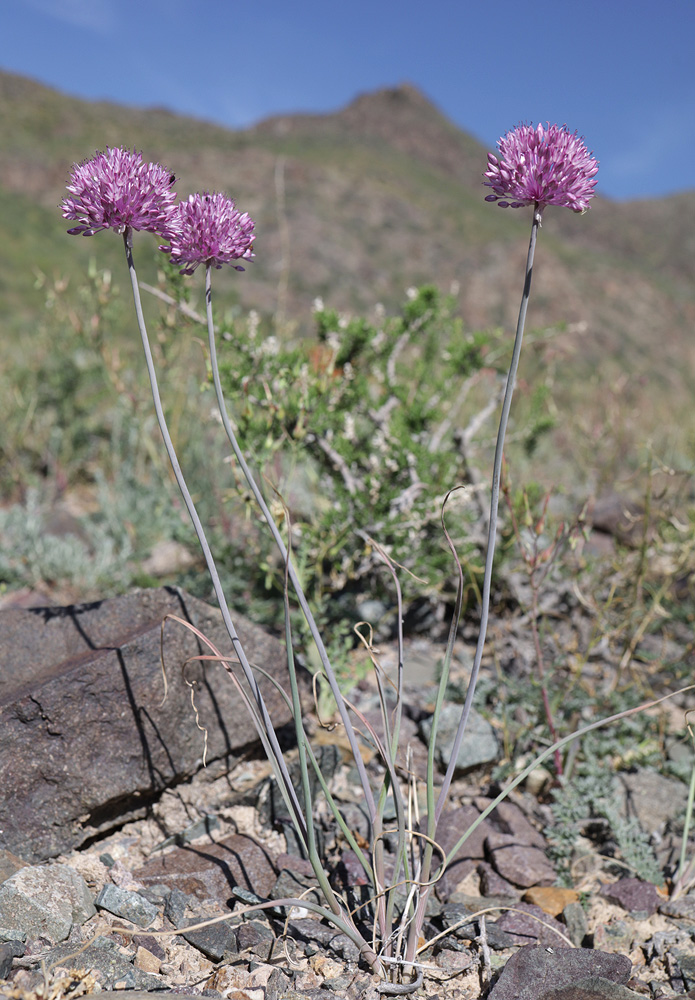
(210, 231)
(118, 190)
(543, 166)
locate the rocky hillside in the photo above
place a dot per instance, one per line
(358, 205)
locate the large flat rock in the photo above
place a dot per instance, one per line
(85, 736)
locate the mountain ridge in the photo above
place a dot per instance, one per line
(357, 205)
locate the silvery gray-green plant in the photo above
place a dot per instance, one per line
(536, 167)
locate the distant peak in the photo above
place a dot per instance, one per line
(403, 99)
(405, 94)
(399, 117)
(373, 111)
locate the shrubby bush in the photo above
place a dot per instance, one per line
(358, 431)
(359, 434)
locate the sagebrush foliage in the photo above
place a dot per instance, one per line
(593, 794)
(357, 430)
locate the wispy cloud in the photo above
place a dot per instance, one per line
(91, 15)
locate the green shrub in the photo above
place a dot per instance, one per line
(356, 432)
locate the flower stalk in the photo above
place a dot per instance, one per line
(434, 815)
(281, 768)
(118, 190)
(308, 829)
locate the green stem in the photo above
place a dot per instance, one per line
(686, 827)
(306, 611)
(494, 508)
(549, 751)
(306, 828)
(283, 776)
(433, 820)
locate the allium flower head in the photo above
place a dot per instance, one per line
(210, 231)
(118, 190)
(547, 166)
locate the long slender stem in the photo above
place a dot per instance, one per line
(200, 532)
(433, 820)
(302, 742)
(494, 508)
(543, 756)
(414, 934)
(307, 827)
(306, 611)
(681, 871)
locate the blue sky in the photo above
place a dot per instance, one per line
(619, 71)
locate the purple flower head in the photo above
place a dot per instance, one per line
(210, 231)
(117, 190)
(547, 166)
